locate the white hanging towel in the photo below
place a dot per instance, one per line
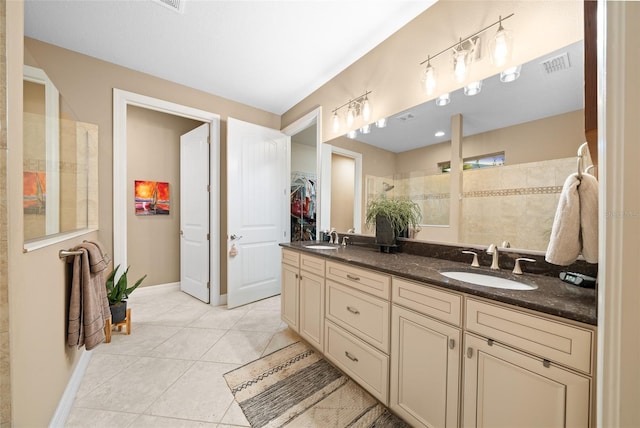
(588, 192)
(564, 242)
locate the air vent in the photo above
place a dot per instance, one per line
(175, 5)
(406, 117)
(557, 63)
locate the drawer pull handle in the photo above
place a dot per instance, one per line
(353, 278)
(353, 310)
(469, 352)
(351, 357)
(452, 343)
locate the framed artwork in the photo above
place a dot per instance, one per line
(152, 197)
(34, 191)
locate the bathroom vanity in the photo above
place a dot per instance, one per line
(440, 352)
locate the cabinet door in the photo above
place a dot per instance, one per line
(425, 369)
(289, 296)
(312, 309)
(507, 388)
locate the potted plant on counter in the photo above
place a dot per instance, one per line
(392, 219)
(117, 294)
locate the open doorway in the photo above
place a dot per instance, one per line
(124, 178)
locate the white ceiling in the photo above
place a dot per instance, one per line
(267, 54)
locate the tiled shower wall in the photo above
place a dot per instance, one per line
(5, 385)
(513, 203)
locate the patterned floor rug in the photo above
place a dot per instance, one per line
(297, 387)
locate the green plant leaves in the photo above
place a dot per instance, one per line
(118, 291)
(401, 212)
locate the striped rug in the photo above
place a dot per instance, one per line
(296, 387)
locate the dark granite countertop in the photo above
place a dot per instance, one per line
(552, 296)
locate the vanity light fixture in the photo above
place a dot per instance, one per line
(465, 49)
(381, 123)
(352, 134)
(443, 100)
(510, 74)
(473, 88)
(366, 129)
(355, 107)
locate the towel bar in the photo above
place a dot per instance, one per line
(66, 253)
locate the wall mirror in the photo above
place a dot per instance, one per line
(60, 163)
(519, 143)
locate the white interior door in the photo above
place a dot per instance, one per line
(257, 198)
(194, 212)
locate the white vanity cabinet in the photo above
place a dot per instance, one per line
(302, 296)
(425, 354)
(525, 370)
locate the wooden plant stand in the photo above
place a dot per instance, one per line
(109, 326)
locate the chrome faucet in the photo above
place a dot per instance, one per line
(493, 250)
(333, 236)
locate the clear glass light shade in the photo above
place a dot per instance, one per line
(501, 47)
(352, 134)
(473, 88)
(510, 74)
(461, 62)
(365, 129)
(429, 79)
(335, 121)
(351, 116)
(443, 100)
(366, 109)
(381, 123)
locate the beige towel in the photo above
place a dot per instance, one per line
(564, 242)
(88, 304)
(588, 192)
(575, 225)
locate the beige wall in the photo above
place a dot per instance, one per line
(391, 70)
(303, 158)
(342, 194)
(153, 153)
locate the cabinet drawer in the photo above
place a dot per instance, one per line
(291, 258)
(426, 300)
(548, 339)
(361, 279)
(312, 264)
(361, 314)
(365, 364)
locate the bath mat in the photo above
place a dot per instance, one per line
(296, 387)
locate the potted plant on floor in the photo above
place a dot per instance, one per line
(392, 219)
(117, 294)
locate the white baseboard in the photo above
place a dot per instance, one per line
(59, 418)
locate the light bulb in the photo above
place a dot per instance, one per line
(460, 59)
(351, 116)
(352, 134)
(439, 134)
(336, 121)
(381, 123)
(365, 129)
(443, 100)
(510, 74)
(430, 79)
(366, 109)
(500, 46)
(473, 88)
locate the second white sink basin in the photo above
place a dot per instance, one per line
(322, 247)
(488, 280)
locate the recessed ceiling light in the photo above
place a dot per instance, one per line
(439, 133)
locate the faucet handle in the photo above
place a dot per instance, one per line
(474, 263)
(516, 268)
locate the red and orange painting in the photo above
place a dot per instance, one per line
(34, 191)
(151, 197)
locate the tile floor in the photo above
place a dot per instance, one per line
(168, 372)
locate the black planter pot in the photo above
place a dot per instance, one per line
(385, 235)
(118, 312)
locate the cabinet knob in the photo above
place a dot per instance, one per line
(469, 352)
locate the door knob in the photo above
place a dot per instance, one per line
(235, 237)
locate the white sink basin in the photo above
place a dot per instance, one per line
(322, 247)
(489, 280)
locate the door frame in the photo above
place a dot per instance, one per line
(314, 116)
(122, 99)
